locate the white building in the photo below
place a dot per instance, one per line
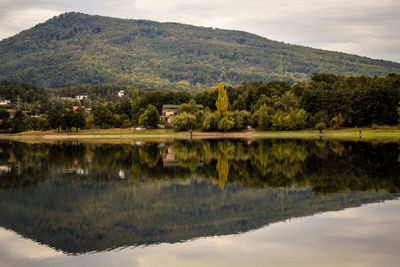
(121, 93)
(4, 102)
(80, 97)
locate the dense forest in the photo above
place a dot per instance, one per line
(74, 49)
(325, 101)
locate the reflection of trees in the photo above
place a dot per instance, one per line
(279, 160)
(223, 170)
(188, 154)
(149, 154)
(327, 166)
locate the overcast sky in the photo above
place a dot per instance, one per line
(364, 27)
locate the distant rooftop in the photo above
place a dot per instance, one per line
(177, 106)
(171, 106)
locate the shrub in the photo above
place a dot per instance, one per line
(226, 124)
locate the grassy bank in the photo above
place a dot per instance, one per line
(348, 133)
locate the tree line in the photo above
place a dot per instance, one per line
(326, 100)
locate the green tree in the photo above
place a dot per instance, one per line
(135, 106)
(211, 122)
(320, 126)
(337, 121)
(78, 119)
(67, 120)
(90, 121)
(183, 122)
(18, 122)
(190, 107)
(54, 118)
(103, 117)
(226, 124)
(150, 117)
(117, 121)
(301, 119)
(125, 123)
(222, 100)
(242, 119)
(43, 123)
(264, 119)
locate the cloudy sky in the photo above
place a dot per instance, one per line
(363, 27)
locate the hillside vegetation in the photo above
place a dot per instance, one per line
(75, 49)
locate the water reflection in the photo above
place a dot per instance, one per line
(326, 166)
(79, 197)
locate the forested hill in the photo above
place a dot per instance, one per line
(76, 48)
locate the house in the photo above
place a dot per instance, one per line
(75, 108)
(169, 111)
(4, 102)
(81, 97)
(87, 110)
(121, 93)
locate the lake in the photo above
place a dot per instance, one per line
(262, 202)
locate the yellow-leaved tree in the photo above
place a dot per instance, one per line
(222, 101)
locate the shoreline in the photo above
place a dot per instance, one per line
(124, 134)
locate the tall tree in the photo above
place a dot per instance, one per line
(67, 119)
(79, 119)
(222, 101)
(54, 118)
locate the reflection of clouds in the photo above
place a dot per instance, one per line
(18, 251)
(313, 241)
(365, 27)
(357, 236)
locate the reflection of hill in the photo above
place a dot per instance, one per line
(78, 218)
(84, 197)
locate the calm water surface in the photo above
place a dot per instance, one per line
(217, 202)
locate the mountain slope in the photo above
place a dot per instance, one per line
(75, 48)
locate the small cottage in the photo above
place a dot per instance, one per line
(169, 111)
